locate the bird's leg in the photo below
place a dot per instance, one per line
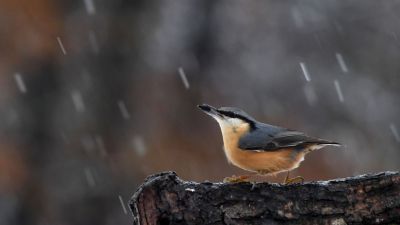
(237, 179)
(288, 180)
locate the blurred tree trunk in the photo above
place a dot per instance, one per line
(368, 199)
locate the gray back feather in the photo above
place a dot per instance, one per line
(270, 138)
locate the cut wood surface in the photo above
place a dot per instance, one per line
(367, 199)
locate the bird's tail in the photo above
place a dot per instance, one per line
(329, 143)
(320, 144)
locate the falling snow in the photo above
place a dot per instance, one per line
(93, 42)
(183, 77)
(20, 83)
(341, 62)
(318, 39)
(310, 94)
(78, 101)
(122, 204)
(88, 143)
(395, 132)
(61, 46)
(100, 145)
(86, 78)
(139, 145)
(338, 27)
(305, 71)
(338, 90)
(124, 111)
(72, 97)
(297, 17)
(89, 177)
(90, 8)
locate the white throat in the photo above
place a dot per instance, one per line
(229, 123)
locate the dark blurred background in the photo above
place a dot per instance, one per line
(95, 95)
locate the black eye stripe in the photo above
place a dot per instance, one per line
(235, 115)
(239, 116)
(227, 113)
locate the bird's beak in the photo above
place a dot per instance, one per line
(210, 111)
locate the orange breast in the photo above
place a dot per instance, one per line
(265, 162)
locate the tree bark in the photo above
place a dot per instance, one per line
(368, 199)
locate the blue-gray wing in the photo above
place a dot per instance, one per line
(271, 138)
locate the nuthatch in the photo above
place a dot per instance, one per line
(261, 148)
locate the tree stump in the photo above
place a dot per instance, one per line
(368, 199)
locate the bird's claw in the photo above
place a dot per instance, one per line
(293, 180)
(237, 179)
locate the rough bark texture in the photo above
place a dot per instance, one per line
(368, 199)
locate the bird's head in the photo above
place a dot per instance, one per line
(228, 116)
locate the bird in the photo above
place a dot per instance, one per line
(261, 148)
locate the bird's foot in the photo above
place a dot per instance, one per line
(237, 179)
(298, 179)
